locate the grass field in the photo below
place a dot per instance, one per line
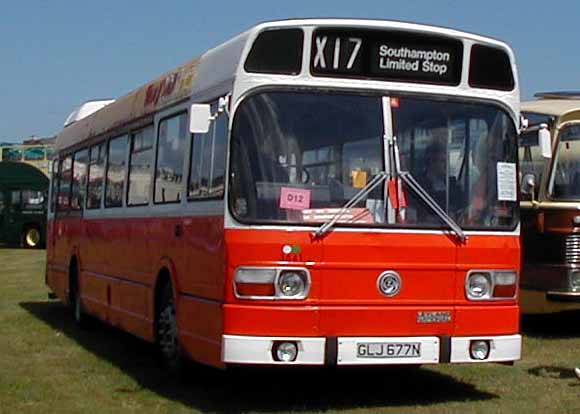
(47, 364)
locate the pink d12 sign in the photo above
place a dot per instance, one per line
(294, 198)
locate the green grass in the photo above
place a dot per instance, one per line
(47, 364)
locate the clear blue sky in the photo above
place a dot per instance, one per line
(56, 54)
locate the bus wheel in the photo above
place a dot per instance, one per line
(167, 333)
(31, 237)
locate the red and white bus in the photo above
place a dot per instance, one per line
(311, 192)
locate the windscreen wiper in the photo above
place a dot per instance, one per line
(408, 179)
(325, 228)
(432, 204)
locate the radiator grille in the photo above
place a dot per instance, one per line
(573, 249)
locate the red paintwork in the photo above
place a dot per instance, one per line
(120, 260)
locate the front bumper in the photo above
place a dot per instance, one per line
(237, 349)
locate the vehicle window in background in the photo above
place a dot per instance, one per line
(33, 200)
(95, 178)
(140, 166)
(117, 156)
(34, 154)
(15, 199)
(566, 179)
(11, 154)
(530, 154)
(173, 133)
(79, 182)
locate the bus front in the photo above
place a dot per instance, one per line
(371, 210)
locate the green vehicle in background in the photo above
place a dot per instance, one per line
(23, 201)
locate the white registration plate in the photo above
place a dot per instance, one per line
(388, 349)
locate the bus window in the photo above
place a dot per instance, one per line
(32, 200)
(197, 165)
(170, 149)
(322, 147)
(217, 183)
(530, 155)
(11, 154)
(34, 154)
(117, 156)
(208, 158)
(95, 179)
(64, 186)
(15, 200)
(566, 184)
(79, 179)
(53, 184)
(140, 167)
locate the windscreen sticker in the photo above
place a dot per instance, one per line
(294, 198)
(506, 181)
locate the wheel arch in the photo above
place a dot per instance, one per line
(74, 268)
(166, 273)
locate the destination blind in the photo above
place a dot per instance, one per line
(386, 55)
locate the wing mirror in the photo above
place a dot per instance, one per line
(545, 141)
(529, 186)
(199, 118)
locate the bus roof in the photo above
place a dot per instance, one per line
(556, 107)
(213, 73)
(17, 175)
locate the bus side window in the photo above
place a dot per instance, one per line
(140, 167)
(117, 156)
(1, 206)
(54, 184)
(95, 176)
(65, 179)
(196, 165)
(220, 143)
(15, 200)
(173, 132)
(208, 160)
(79, 179)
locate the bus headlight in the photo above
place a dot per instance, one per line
(478, 285)
(574, 276)
(292, 283)
(491, 284)
(271, 283)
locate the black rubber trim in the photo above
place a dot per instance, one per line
(331, 351)
(556, 296)
(444, 349)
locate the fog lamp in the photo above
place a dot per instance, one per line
(479, 350)
(285, 351)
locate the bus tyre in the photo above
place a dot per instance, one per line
(167, 333)
(31, 237)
